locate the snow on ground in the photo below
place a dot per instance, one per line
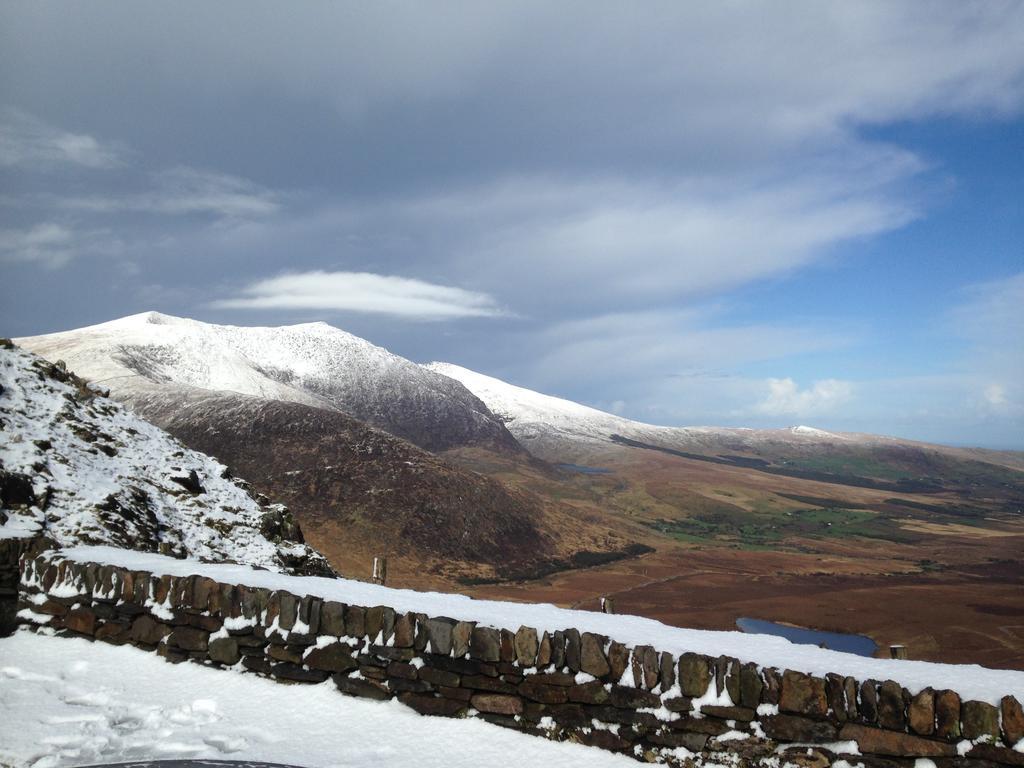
(103, 474)
(970, 681)
(66, 702)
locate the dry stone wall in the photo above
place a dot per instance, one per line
(561, 685)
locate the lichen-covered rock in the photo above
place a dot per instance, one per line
(978, 719)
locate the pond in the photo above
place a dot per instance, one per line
(862, 645)
(585, 470)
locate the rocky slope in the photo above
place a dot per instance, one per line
(361, 492)
(314, 364)
(79, 468)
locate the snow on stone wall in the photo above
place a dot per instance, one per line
(563, 684)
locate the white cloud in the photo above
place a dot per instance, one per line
(183, 190)
(53, 245)
(785, 398)
(363, 292)
(27, 142)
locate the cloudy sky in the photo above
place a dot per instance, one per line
(729, 213)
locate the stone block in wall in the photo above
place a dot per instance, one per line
(113, 632)
(536, 690)
(490, 684)
(707, 725)
(288, 606)
(921, 713)
(803, 694)
(694, 742)
(879, 741)
(993, 754)
(380, 623)
(485, 644)
(391, 654)
(727, 677)
(291, 654)
(256, 664)
(373, 673)
(606, 740)
(309, 614)
(740, 714)
(666, 671)
(678, 704)
(439, 677)
(403, 670)
(459, 694)
(632, 698)
(751, 686)
(427, 704)
(460, 666)
(332, 618)
(593, 692)
(558, 649)
(795, 728)
(405, 630)
(618, 660)
(646, 667)
(462, 632)
(850, 694)
(612, 714)
(868, 698)
(362, 688)
(526, 646)
(439, 635)
(224, 650)
(573, 649)
(1012, 720)
(403, 685)
(81, 620)
(592, 658)
(355, 621)
(296, 673)
(835, 694)
(507, 645)
(544, 651)
(148, 631)
(978, 719)
(695, 674)
(336, 657)
(189, 639)
(891, 712)
(569, 715)
(496, 703)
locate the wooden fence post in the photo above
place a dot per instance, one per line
(380, 570)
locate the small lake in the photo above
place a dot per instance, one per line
(862, 645)
(585, 470)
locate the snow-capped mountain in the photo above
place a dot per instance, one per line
(543, 422)
(79, 468)
(314, 364)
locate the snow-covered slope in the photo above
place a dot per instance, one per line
(542, 421)
(313, 364)
(81, 469)
(534, 417)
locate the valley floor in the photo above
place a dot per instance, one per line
(67, 702)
